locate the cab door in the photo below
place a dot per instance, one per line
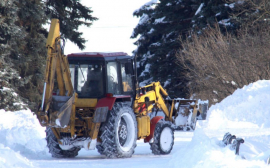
(120, 75)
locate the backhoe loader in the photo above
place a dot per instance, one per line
(95, 103)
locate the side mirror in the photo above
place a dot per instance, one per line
(129, 68)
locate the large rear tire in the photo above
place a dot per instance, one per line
(118, 133)
(163, 139)
(55, 149)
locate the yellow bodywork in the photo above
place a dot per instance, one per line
(152, 98)
(143, 124)
(155, 98)
(57, 66)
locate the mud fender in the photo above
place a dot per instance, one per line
(153, 123)
(106, 102)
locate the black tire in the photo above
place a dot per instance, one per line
(55, 149)
(118, 133)
(100, 149)
(163, 139)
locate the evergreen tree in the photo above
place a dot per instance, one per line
(231, 14)
(250, 13)
(211, 12)
(10, 36)
(30, 57)
(144, 30)
(22, 44)
(71, 14)
(161, 24)
(169, 20)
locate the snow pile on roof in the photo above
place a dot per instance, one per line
(21, 136)
(246, 114)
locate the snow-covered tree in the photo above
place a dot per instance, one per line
(248, 13)
(144, 29)
(161, 24)
(71, 14)
(22, 44)
(211, 12)
(11, 36)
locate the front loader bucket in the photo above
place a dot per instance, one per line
(203, 108)
(187, 112)
(62, 107)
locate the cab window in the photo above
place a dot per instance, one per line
(126, 79)
(87, 79)
(113, 79)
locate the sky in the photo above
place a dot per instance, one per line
(111, 33)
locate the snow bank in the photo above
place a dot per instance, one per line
(245, 108)
(205, 152)
(246, 114)
(21, 136)
(9, 158)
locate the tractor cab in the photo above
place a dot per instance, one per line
(96, 74)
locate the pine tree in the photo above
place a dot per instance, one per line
(250, 13)
(144, 30)
(22, 45)
(71, 14)
(169, 20)
(10, 36)
(30, 56)
(212, 12)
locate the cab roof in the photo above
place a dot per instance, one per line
(98, 54)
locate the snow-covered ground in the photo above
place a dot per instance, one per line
(246, 114)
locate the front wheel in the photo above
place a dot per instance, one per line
(163, 138)
(119, 133)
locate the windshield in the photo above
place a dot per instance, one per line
(87, 79)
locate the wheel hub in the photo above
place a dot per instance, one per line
(122, 132)
(166, 139)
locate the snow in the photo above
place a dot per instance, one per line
(199, 9)
(233, 83)
(225, 22)
(156, 44)
(21, 138)
(146, 70)
(146, 4)
(245, 113)
(151, 31)
(231, 5)
(9, 158)
(160, 20)
(167, 82)
(144, 18)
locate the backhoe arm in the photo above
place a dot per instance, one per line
(56, 64)
(56, 110)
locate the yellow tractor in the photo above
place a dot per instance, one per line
(96, 104)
